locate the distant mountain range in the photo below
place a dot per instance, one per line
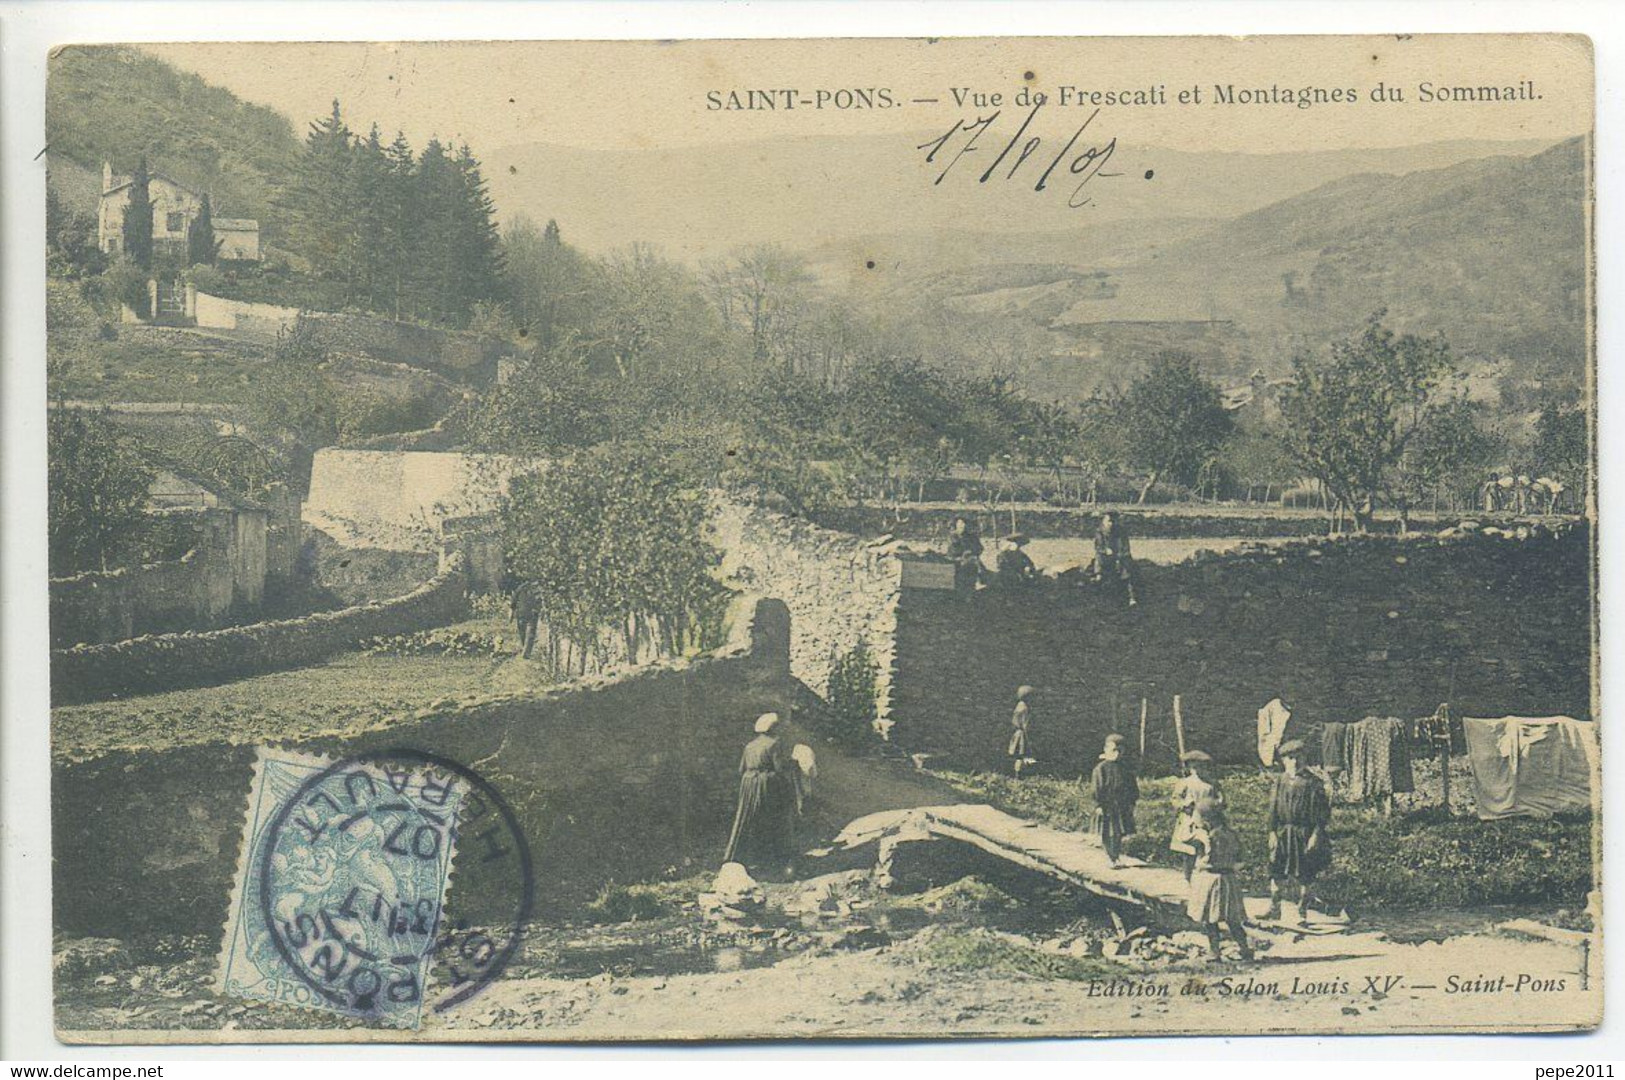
(859, 192)
(1241, 257)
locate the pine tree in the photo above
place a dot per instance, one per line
(400, 225)
(478, 253)
(201, 247)
(436, 291)
(376, 248)
(138, 217)
(324, 202)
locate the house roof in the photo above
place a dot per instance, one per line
(236, 224)
(127, 181)
(169, 475)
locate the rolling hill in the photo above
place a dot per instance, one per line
(114, 103)
(875, 193)
(1490, 252)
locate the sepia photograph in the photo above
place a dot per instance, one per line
(842, 538)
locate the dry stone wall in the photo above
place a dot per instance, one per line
(615, 777)
(1343, 629)
(840, 589)
(168, 661)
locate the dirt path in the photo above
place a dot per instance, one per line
(1312, 985)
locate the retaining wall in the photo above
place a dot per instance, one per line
(263, 320)
(397, 500)
(618, 777)
(168, 661)
(1342, 629)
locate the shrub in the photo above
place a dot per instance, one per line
(617, 903)
(853, 691)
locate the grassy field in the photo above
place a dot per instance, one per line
(1407, 862)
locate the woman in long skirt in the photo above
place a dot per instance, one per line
(764, 820)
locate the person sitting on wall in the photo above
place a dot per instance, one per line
(1015, 567)
(526, 602)
(965, 549)
(1114, 562)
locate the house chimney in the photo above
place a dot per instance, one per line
(107, 177)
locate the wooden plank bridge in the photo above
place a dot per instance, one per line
(1074, 858)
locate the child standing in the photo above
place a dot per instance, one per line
(1215, 893)
(1195, 787)
(1020, 749)
(1116, 791)
(1299, 820)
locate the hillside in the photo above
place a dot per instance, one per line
(695, 201)
(115, 103)
(1490, 252)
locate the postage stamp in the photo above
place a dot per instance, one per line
(340, 897)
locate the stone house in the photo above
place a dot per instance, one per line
(174, 208)
(239, 549)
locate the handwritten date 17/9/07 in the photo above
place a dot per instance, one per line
(1021, 153)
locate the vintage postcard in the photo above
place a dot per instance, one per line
(789, 539)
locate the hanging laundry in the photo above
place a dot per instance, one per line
(1531, 766)
(1272, 721)
(1379, 758)
(1334, 747)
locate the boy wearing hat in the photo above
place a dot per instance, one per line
(1196, 786)
(1299, 817)
(1117, 789)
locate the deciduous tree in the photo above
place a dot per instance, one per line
(1173, 421)
(1350, 416)
(97, 492)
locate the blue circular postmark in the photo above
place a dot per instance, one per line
(393, 882)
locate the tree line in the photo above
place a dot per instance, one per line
(748, 374)
(402, 232)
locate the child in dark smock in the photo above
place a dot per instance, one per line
(1299, 819)
(1215, 894)
(1116, 791)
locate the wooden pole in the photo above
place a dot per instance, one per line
(1443, 739)
(1179, 727)
(1145, 707)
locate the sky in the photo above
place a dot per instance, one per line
(615, 138)
(647, 94)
